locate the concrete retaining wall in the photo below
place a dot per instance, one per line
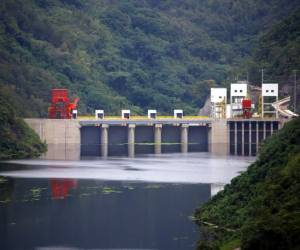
(61, 136)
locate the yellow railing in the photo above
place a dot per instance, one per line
(90, 117)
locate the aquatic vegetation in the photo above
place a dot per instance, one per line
(5, 201)
(35, 193)
(85, 194)
(129, 187)
(153, 186)
(192, 218)
(110, 190)
(2, 179)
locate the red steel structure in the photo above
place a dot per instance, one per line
(61, 106)
(246, 105)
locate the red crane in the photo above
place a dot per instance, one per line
(61, 106)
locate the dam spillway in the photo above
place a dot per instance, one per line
(75, 138)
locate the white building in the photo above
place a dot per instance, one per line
(218, 99)
(269, 96)
(238, 92)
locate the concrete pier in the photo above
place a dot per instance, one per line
(218, 139)
(104, 140)
(209, 139)
(184, 138)
(272, 125)
(247, 134)
(257, 137)
(131, 139)
(250, 138)
(243, 138)
(157, 138)
(235, 138)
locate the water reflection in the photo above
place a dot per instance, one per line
(117, 203)
(100, 215)
(61, 188)
(173, 168)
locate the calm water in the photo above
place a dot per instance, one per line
(119, 203)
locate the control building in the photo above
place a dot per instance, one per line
(218, 99)
(238, 92)
(269, 96)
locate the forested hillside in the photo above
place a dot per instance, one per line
(278, 50)
(17, 140)
(260, 208)
(130, 54)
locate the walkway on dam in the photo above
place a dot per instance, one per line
(144, 120)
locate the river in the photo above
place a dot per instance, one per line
(117, 203)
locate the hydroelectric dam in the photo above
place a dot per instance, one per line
(71, 139)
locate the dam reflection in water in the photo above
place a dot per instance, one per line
(85, 214)
(76, 205)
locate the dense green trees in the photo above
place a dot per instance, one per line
(261, 206)
(128, 54)
(17, 140)
(278, 50)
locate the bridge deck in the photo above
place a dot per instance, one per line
(146, 121)
(167, 120)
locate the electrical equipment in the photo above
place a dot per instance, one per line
(99, 114)
(247, 107)
(125, 114)
(74, 114)
(178, 113)
(151, 114)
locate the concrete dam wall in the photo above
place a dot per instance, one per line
(147, 140)
(73, 139)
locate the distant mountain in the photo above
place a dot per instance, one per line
(135, 54)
